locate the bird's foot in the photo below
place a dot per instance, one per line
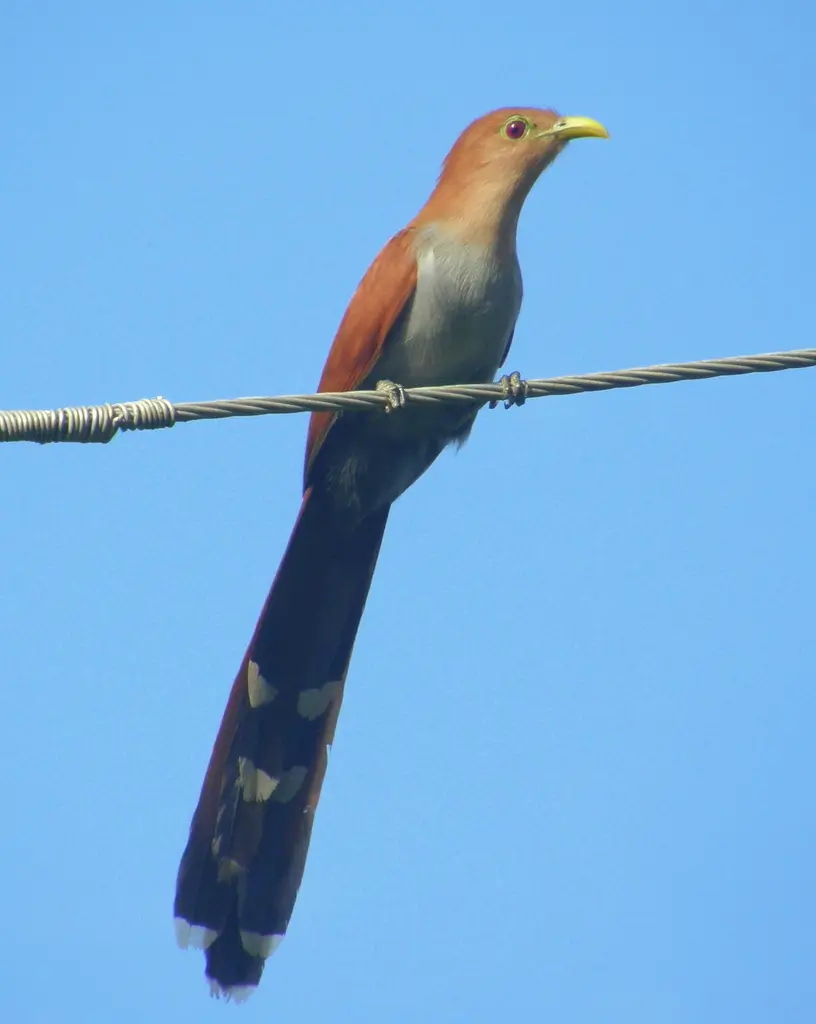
(395, 393)
(514, 389)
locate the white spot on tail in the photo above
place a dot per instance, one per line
(228, 869)
(256, 784)
(236, 994)
(195, 935)
(290, 782)
(259, 690)
(313, 703)
(257, 944)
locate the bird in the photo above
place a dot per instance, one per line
(437, 306)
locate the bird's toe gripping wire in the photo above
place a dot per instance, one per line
(514, 389)
(395, 393)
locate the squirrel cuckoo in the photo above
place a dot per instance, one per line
(437, 306)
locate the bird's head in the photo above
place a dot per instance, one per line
(497, 159)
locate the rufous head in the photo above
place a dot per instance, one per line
(498, 158)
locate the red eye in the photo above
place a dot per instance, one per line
(515, 129)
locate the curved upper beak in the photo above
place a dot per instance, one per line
(576, 128)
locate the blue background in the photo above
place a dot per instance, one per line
(573, 777)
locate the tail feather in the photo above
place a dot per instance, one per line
(244, 861)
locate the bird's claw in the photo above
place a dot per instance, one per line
(395, 393)
(514, 389)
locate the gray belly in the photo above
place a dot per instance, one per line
(461, 318)
(455, 331)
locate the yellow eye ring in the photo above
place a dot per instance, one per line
(516, 128)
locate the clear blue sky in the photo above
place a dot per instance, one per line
(573, 777)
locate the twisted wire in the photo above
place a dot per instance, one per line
(100, 423)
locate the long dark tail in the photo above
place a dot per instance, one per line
(244, 860)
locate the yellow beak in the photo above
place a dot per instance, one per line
(576, 128)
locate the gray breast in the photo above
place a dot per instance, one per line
(464, 310)
(455, 330)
